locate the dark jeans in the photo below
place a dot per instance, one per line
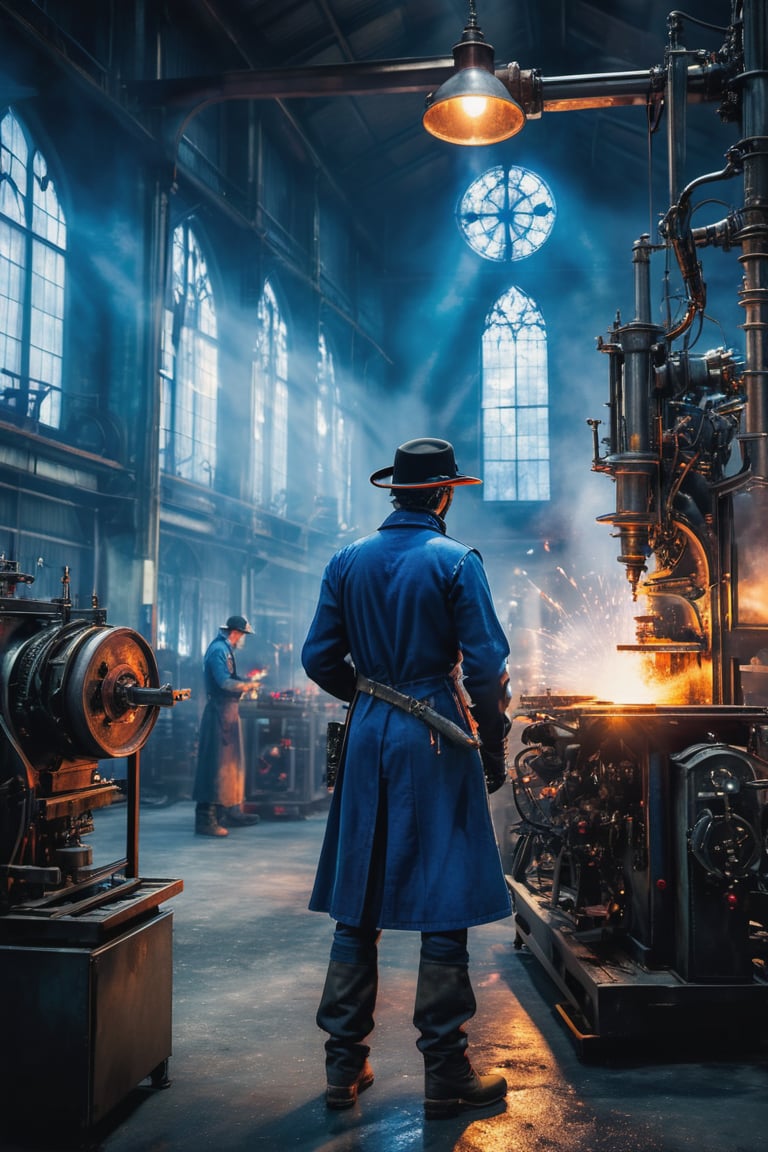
(358, 945)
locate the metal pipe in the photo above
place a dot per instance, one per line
(132, 816)
(634, 463)
(320, 80)
(534, 92)
(675, 96)
(155, 272)
(754, 235)
(636, 340)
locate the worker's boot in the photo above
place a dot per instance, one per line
(444, 1002)
(346, 1014)
(206, 821)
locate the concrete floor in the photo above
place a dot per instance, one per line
(247, 1064)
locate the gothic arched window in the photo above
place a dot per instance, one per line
(270, 405)
(333, 441)
(190, 365)
(33, 242)
(515, 401)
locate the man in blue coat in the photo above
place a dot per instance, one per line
(219, 788)
(405, 630)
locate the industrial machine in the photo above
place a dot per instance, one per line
(640, 873)
(284, 737)
(85, 949)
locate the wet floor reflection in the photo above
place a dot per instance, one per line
(247, 1064)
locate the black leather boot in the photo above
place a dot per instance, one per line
(206, 821)
(346, 1014)
(444, 1002)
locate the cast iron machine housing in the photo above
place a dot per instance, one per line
(85, 949)
(640, 876)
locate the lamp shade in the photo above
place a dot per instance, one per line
(472, 107)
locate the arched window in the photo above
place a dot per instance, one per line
(189, 365)
(515, 401)
(333, 441)
(33, 242)
(270, 405)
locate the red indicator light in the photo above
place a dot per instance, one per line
(731, 899)
(661, 884)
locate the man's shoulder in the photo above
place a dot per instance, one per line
(218, 644)
(348, 550)
(453, 546)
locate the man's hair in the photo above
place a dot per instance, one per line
(428, 498)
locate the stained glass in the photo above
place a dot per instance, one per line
(515, 401)
(506, 214)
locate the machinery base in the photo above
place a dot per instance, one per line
(610, 998)
(83, 1026)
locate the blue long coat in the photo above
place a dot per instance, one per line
(409, 841)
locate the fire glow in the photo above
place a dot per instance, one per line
(577, 653)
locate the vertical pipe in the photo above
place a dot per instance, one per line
(635, 466)
(641, 261)
(132, 826)
(742, 517)
(676, 99)
(156, 198)
(636, 340)
(754, 235)
(96, 553)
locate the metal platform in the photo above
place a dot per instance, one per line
(86, 915)
(610, 996)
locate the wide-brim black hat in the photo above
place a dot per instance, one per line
(425, 463)
(237, 624)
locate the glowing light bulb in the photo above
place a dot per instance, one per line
(474, 106)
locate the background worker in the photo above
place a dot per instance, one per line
(219, 790)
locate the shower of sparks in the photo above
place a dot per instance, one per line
(577, 653)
